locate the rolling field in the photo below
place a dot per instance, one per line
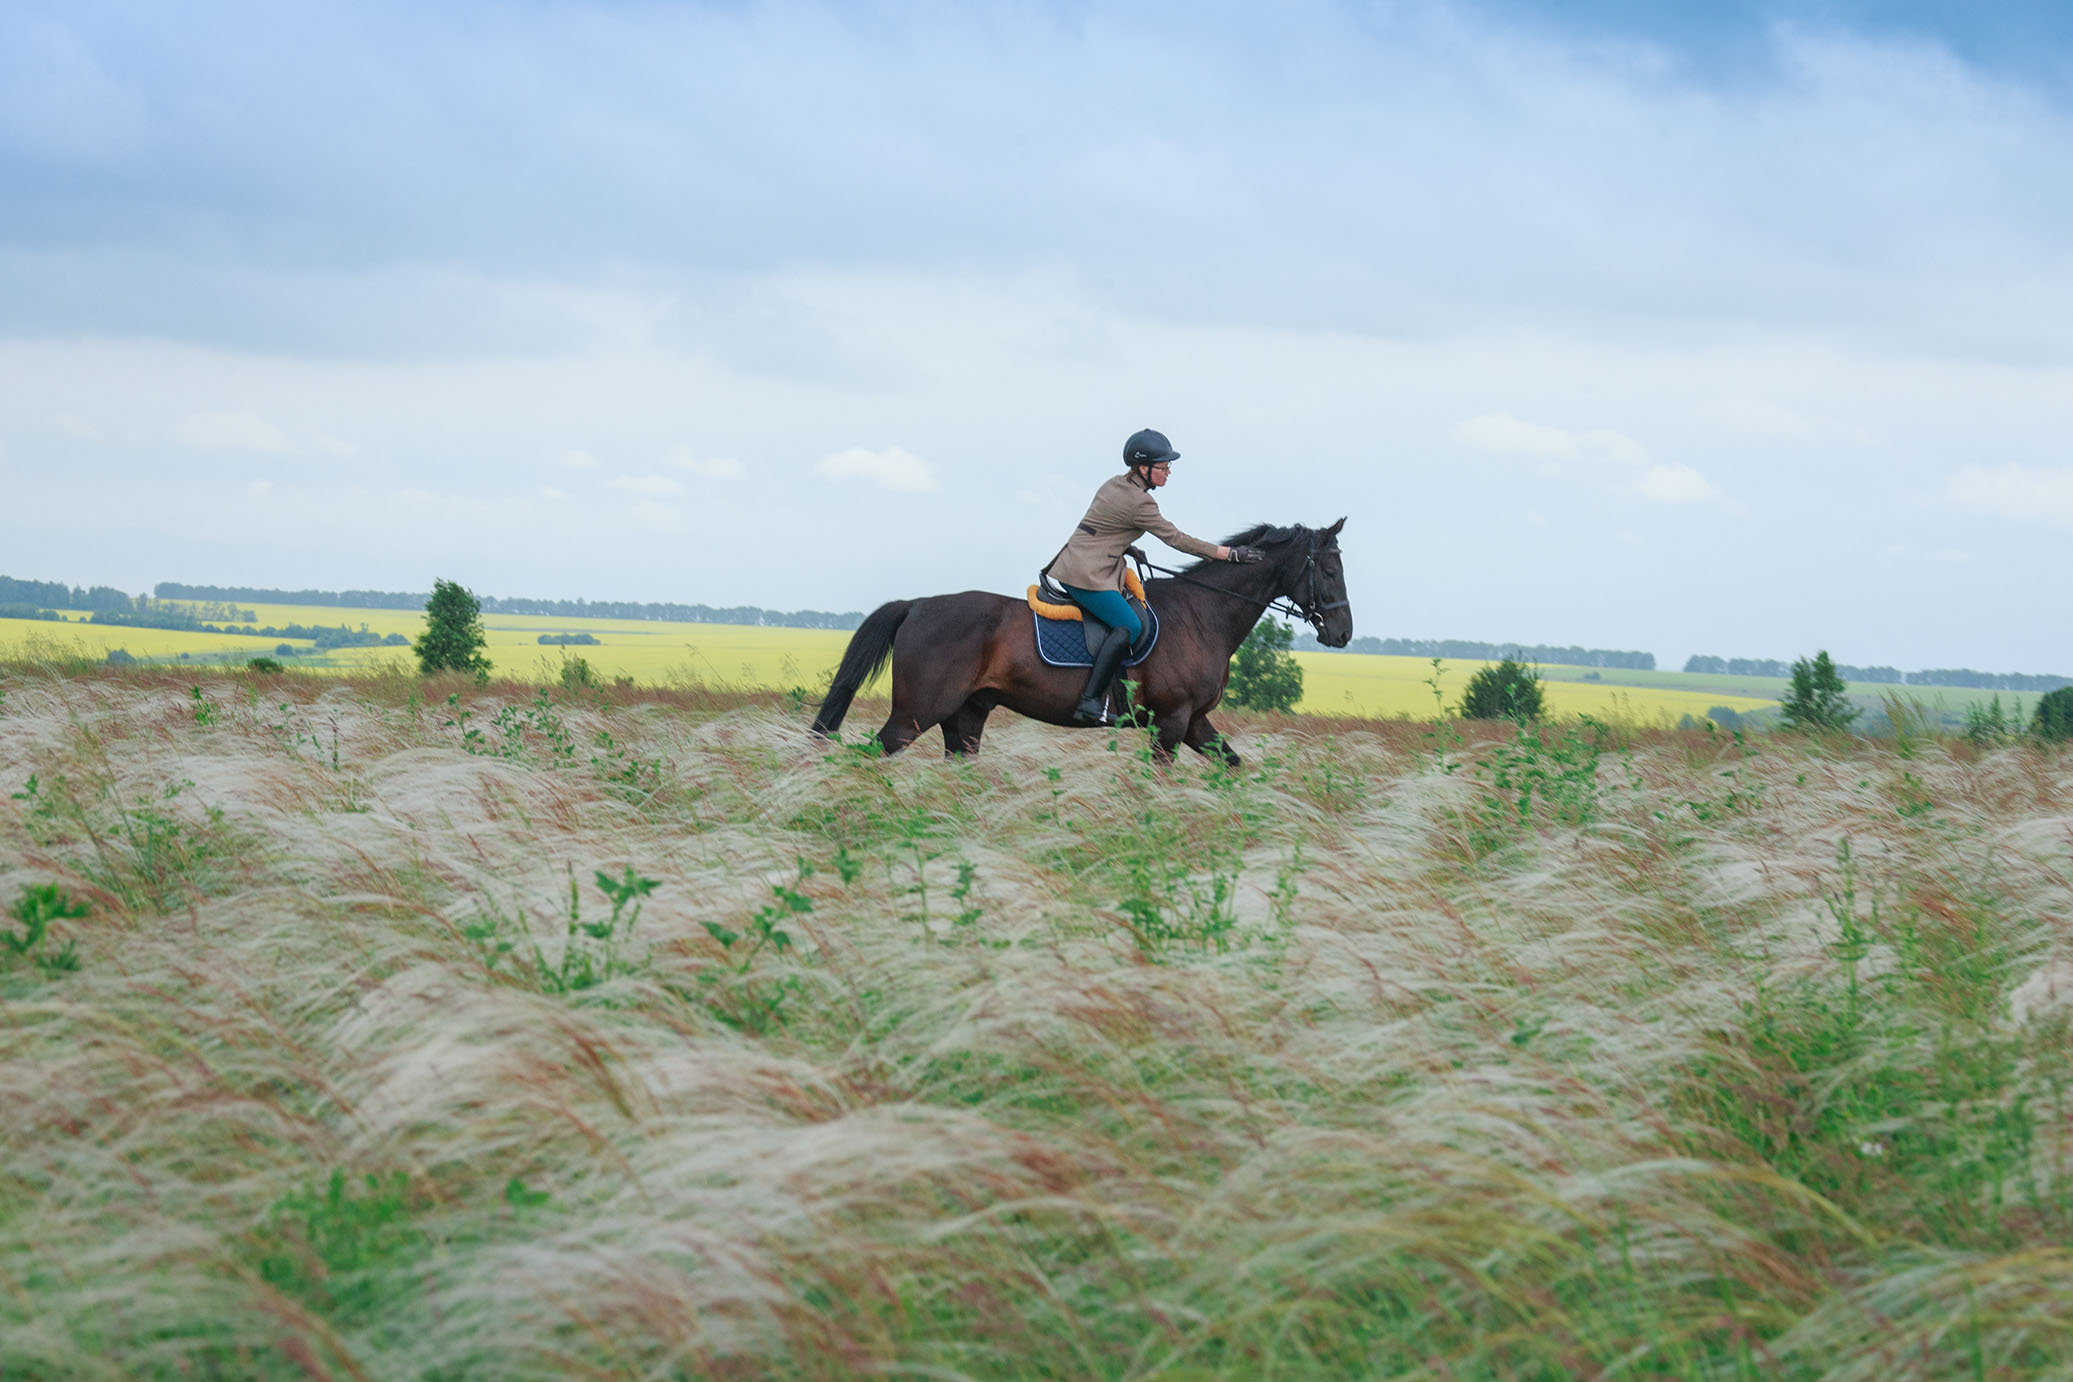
(347, 1033)
(748, 658)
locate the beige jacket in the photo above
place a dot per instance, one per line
(1122, 512)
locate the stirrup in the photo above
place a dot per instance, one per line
(1086, 719)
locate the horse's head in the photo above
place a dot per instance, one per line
(1319, 587)
(1309, 573)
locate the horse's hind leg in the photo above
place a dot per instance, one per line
(962, 730)
(917, 709)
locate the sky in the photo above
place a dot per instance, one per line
(1742, 329)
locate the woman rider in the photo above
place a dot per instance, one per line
(1090, 565)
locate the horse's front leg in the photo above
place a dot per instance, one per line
(1207, 740)
(1169, 730)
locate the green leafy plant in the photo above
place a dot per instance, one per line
(1815, 700)
(344, 1253)
(453, 640)
(739, 996)
(265, 665)
(2053, 718)
(1506, 690)
(39, 905)
(1264, 673)
(592, 952)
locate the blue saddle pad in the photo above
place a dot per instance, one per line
(1063, 642)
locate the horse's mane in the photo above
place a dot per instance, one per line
(1258, 535)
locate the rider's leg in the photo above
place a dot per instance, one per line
(1110, 626)
(1108, 658)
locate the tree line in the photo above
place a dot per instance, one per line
(1470, 650)
(49, 596)
(492, 604)
(324, 636)
(1883, 676)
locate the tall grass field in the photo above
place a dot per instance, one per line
(364, 1027)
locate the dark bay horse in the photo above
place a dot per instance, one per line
(956, 657)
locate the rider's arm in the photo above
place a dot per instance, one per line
(1154, 522)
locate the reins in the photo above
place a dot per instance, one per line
(1305, 610)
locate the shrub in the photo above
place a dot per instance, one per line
(2053, 718)
(1508, 690)
(576, 673)
(1264, 673)
(453, 639)
(1815, 700)
(1987, 724)
(120, 657)
(264, 664)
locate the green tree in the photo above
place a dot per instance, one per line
(1815, 700)
(1264, 673)
(2053, 718)
(1508, 690)
(453, 638)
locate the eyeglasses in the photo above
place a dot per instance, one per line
(1162, 465)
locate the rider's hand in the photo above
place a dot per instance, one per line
(1136, 554)
(1245, 554)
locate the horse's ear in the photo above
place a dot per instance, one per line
(1333, 531)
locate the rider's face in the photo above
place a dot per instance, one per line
(1156, 475)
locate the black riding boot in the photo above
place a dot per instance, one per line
(1108, 659)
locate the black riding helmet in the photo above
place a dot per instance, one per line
(1148, 448)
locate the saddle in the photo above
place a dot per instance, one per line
(1052, 603)
(1061, 633)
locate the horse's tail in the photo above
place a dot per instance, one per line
(869, 649)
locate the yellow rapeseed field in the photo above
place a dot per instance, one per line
(1387, 688)
(743, 657)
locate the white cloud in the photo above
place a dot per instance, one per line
(2025, 493)
(717, 468)
(576, 460)
(549, 492)
(1674, 484)
(232, 432)
(1501, 434)
(1615, 448)
(654, 486)
(893, 469)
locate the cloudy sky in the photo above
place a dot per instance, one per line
(1736, 328)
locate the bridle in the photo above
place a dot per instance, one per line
(1303, 607)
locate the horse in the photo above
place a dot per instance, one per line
(957, 657)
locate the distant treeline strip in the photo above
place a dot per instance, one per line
(1882, 676)
(58, 595)
(1487, 652)
(324, 636)
(492, 604)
